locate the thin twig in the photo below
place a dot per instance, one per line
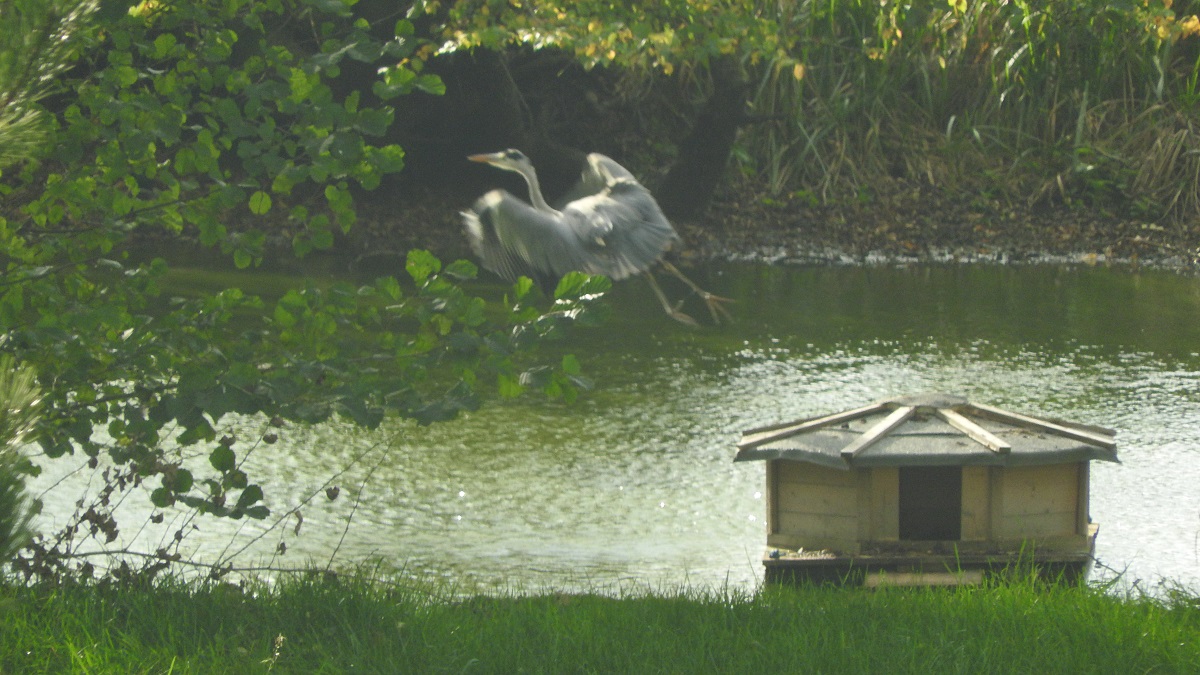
(357, 500)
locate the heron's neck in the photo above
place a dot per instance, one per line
(535, 191)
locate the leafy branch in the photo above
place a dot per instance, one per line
(225, 122)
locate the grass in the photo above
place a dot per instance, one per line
(310, 625)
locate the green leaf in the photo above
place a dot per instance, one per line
(431, 84)
(163, 44)
(260, 203)
(126, 76)
(252, 494)
(389, 158)
(198, 430)
(522, 287)
(180, 481)
(509, 386)
(576, 285)
(421, 264)
(374, 122)
(222, 459)
(570, 285)
(236, 479)
(283, 318)
(462, 270)
(322, 240)
(162, 497)
(389, 287)
(302, 85)
(570, 365)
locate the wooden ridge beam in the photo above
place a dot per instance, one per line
(763, 435)
(974, 431)
(898, 416)
(1079, 434)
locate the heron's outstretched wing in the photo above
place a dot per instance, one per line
(513, 239)
(600, 172)
(617, 232)
(631, 227)
(606, 166)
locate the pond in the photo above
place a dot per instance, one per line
(633, 487)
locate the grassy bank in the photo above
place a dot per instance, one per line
(313, 626)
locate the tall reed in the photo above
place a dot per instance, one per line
(1091, 98)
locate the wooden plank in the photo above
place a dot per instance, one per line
(1047, 546)
(1076, 433)
(1033, 490)
(1039, 526)
(763, 435)
(819, 529)
(907, 579)
(974, 431)
(863, 504)
(898, 416)
(822, 499)
(803, 473)
(1082, 509)
(811, 543)
(783, 425)
(996, 482)
(772, 496)
(976, 506)
(885, 504)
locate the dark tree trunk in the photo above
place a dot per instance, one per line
(703, 154)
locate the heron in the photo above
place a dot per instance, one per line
(608, 224)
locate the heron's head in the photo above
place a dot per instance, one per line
(509, 160)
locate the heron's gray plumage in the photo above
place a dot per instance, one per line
(609, 225)
(600, 172)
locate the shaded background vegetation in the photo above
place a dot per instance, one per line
(790, 112)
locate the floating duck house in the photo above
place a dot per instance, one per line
(927, 489)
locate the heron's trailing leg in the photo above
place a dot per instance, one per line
(715, 308)
(672, 312)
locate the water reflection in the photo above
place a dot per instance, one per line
(633, 486)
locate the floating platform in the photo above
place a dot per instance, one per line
(875, 569)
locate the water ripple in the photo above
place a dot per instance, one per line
(634, 484)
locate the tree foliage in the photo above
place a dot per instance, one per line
(35, 46)
(1084, 103)
(658, 35)
(221, 121)
(19, 400)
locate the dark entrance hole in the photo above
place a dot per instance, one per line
(931, 502)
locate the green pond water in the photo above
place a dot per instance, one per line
(633, 486)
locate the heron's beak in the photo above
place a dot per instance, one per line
(487, 158)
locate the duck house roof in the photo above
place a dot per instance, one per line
(928, 430)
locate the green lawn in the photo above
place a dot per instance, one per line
(307, 626)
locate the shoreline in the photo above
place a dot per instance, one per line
(947, 230)
(942, 231)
